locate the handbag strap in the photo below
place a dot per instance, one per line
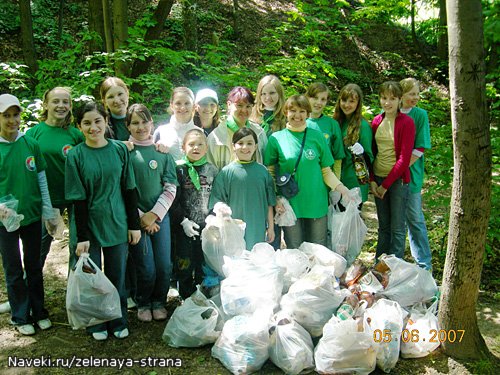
(300, 152)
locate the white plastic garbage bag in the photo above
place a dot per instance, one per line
(8, 213)
(295, 263)
(313, 299)
(222, 236)
(385, 319)
(423, 323)
(287, 218)
(90, 297)
(291, 346)
(408, 283)
(345, 348)
(243, 346)
(249, 286)
(196, 322)
(347, 228)
(319, 254)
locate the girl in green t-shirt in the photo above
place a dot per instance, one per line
(57, 136)
(115, 97)
(356, 134)
(100, 182)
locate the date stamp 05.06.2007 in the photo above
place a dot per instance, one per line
(414, 335)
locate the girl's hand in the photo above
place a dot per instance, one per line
(270, 234)
(129, 144)
(161, 148)
(373, 188)
(82, 247)
(341, 188)
(134, 236)
(279, 208)
(148, 219)
(152, 229)
(381, 191)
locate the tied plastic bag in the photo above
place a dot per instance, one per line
(8, 213)
(55, 226)
(423, 321)
(345, 348)
(90, 298)
(294, 262)
(291, 346)
(243, 346)
(408, 283)
(386, 318)
(287, 218)
(348, 229)
(196, 322)
(249, 285)
(313, 299)
(222, 236)
(319, 254)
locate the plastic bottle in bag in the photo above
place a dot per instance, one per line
(360, 168)
(346, 310)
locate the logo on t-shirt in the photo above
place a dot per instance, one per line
(153, 164)
(310, 154)
(66, 149)
(326, 135)
(30, 163)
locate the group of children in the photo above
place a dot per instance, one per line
(138, 197)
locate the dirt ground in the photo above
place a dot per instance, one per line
(145, 343)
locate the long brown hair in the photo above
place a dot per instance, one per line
(257, 115)
(45, 112)
(350, 90)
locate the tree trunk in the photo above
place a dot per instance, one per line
(412, 17)
(190, 25)
(120, 33)
(236, 16)
(108, 28)
(60, 20)
(442, 46)
(161, 13)
(96, 25)
(470, 201)
(27, 35)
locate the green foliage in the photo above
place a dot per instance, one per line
(383, 10)
(14, 78)
(9, 17)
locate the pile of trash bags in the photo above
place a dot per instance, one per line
(305, 309)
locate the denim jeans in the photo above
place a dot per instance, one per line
(189, 263)
(25, 294)
(47, 238)
(115, 260)
(151, 257)
(417, 231)
(309, 230)
(391, 213)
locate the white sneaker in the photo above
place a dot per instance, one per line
(4, 307)
(121, 334)
(172, 293)
(44, 324)
(131, 303)
(26, 329)
(100, 336)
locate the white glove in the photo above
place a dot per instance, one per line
(357, 149)
(334, 197)
(190, 227)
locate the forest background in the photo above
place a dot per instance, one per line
(157, 45)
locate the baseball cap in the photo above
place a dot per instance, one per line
(7, 101)
(204, 94)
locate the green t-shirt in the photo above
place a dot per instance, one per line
(333, 136)
(348, 175)
(98, 175)
(422, 140)
(283, 149)
(151, 169)
(119, 127)
(55, 142)
(20, 163)
(249, 190)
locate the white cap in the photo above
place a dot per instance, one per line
(204, 94)
(7, 101)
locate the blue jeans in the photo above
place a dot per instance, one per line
(25, 294)
(47, 238)
(391, 213)
(309, 230)
(417, 232)
(115, 260)
(151, 257)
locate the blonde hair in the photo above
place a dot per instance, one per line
(408, 84)
(45, 112)
(350, 90)
(109, 83)
(279, 120)
(300, 101)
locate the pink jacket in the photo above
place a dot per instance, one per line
(404, 139)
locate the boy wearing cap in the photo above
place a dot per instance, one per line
(206, 107)
(22, 173)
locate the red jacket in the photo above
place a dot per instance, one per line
(404, 139)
